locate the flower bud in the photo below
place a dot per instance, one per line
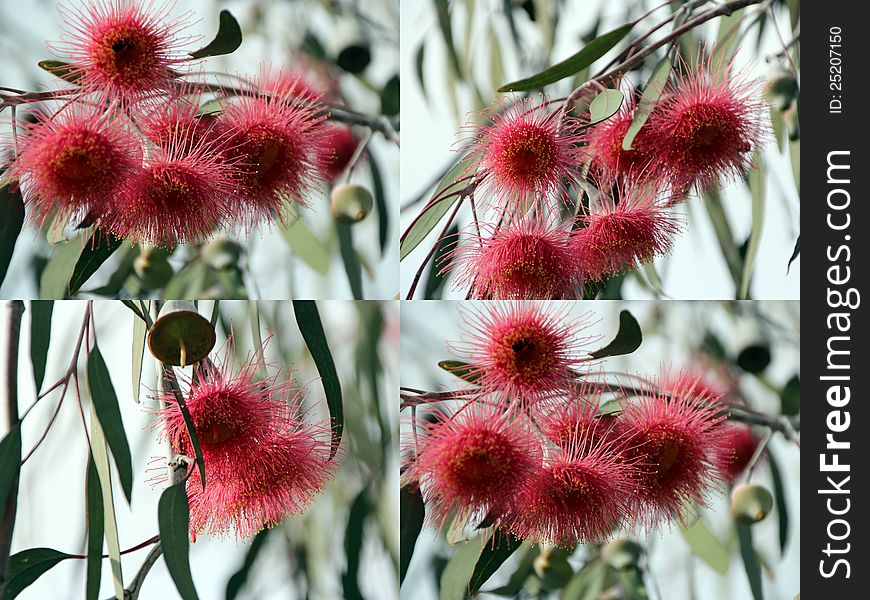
(750, 503)
(621, 553)
(153, 269)
(350, 203)
(552, 568)
(180, 335)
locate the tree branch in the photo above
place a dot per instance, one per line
(16, 310)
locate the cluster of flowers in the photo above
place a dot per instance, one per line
(131, 150)
(264, 458)
(529, 449)
(531, 164)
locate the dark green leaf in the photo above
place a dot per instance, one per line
(791, 397)
(605, 105)
(411, 514)
(627, 340)
(750, 560)
(240, 577)
(11, 221)
(497, 550)
(442, 9)
(10, 461)
(380, 195)
(109, 414)
(707, 546)
(95, 252)
(96, 529)
(419, 61)
(651, 94)
(40, 337)
(757, 188)
(312, 46)
(390, 97)
(462, 370)
(582, 59)
(60, 69)
(779, 500)
(353, 543)
(724, 234)
(227, 40)
(754, 358)
(354, 58)
(28, 566)
(523, 571)
(100, 455)
(173, 519)
(350, 259)
(122, 273)
(712, 346)
(311, 327)
(794, 253)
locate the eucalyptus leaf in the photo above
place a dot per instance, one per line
(628, 338)
(40, 337)
(173, 519)
(11, 222)
(652, 92)
(27, 566)
(707, 546)
(227, 40)
(605, 105)
(411, 514)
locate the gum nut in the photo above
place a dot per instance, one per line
(553, 570)
(350, 203)
(621, 553)
(153, 270)
(180, 336)
(750, 503)
(221, 254)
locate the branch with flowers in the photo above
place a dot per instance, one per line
(146, 158)
(571, 197)
(537, 447)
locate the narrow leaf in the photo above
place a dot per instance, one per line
(790, 397)
(419, 62)
(605, 105)
(95, 252)
(96, 530)
(627, 340)
(707, 546)
(779, 500)
(100, 454)
(454, 579)
(173, 519)
(227, 40)
(11, 221)
(55, 277)
(60, 69)
(239, 578)
(633, 586)
(306, 246)
(10, 461)
(139, 334)
(40, 337)
(461, 369)
(588, 583)
(726, 39)
(28, 566)
(496, 66)
(353, 543)
(651, 94)
(497, 549)
(757, 188)
(582, 59)
(724, 234)
(109, 414)
(523, 571)
(411, 514)
(794, 253)
(349, 258)
(442, 9)
(311, 327)
(380, 195)
(750, 560)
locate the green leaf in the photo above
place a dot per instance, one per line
(588, 583)
(454, 579)
(756, 186)
(724, 235)
(582, 59)
(28, 566)
(122, 273)
(497, 549)
(794, 150)
(431, 215)
(794, 253)
(633, 586)
(390, 97)
(350, 259)
(754, 358)
(40, 337)
(442, 9)
(353, 543)
(61, 69)
(461, 369)
(239, 578)
(95, 252)
(726, 39)
(139, 333)
(627, 340)
(109, 414)
(173, 520)
(419, 62)
(436, 278)
(227, 40)
(304, 245)
(100, 453)
(779, 500)
(790, 397)
(750, 560)
(55, 277)
(412, 511)
(523, 571)
(605, 105)
(380, 195)
(707, 546)
(311, 327)
(10, 461)
(11, 221)
(95, 514)
(651, 94)
(496, 66)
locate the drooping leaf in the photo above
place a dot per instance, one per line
(442, 9)
(648, 100)
(582, 59)
(350, 259)
(173, 520)
(27, 566)
(724, 234)
(380, 196)
(750, 560)
(308, 319)
(790, 397)
(227, 40)
(10, 461)
(390, 97)
(779, 500)
(306, 246)
(497, 549)
(11, 221)
(109, 414)
(95, 252)
(54, 281)
(60, 69)
(461, 369)
(707, 546)
(122, 274)
(605, 105)
(353, 543)
(523, 571)
(100, 453)
(726, 39)
(455, 578)
(96, 530)
(411, 514)
(628, 338)
(139, 333)
(633, 587)
(757, 188)
(40, 337)
(794, 253)
(419, 62)
(436, 278)
(237, 581)
(496, 65)
(588, 583)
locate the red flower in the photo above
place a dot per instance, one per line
(569, 419)
(526, 259)
(523, 351)
(122, 48)
(340, 143)
(739, 450)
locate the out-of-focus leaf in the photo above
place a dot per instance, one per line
(460, 369)
(496, 65)
(790, 397)
(96, 530)
(27, 566)
(311, 327)
(455, 578)
(707, 546)
(754, 358)
(420, 61)
(40, 337)
(188, 282)
(628, 338)
(750, 560)
(633, 586)
(60, 69)
(109, 414)
(588, 583)
(10, 461)
(605, 105)
(100, 453)
(390, 97)
(757, 187)
(794, 253)
(240, 577)
(427, 221)
(122, 273)
(498, 549)
(442, 9)
(380, 196)
(11, 221)
(55, 277)
(794, 149)
(353, 543)
(411, 514)
(354, 58)
(779, 500)
(648, 99)
(716, 212)
(582, 59)
(726, 39)
(523, 571)
(307, 247)
(139, 333)
(350, 259)
(312, 46)
(227, 40)
(95, 252)
(173, 520)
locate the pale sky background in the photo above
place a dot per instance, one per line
(427, 325)
(695, 269)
